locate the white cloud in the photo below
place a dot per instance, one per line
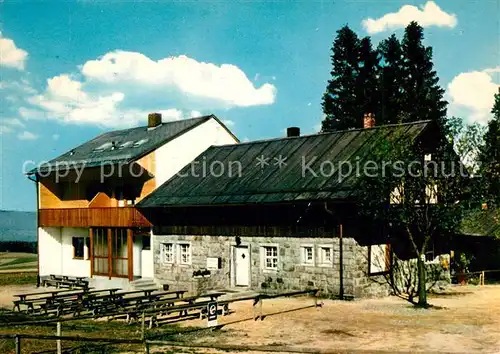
(26, 135)
(120, 88)
(194, 114)
(10, 55)
(428, 15)
(492, 70)
(228, 123)
(226, 83)
(471, 94)
(20, 87)
(14, 122)
(5, 129)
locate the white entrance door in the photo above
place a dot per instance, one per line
(242, 266)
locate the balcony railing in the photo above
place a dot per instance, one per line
(96, 217)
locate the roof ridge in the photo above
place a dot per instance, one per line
(330, 132)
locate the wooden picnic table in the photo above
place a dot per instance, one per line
(56, 296)
(23, 297)
(65, 277)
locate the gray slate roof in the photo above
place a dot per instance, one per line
(88, 154)
(193, 187)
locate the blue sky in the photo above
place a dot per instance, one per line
(71, 70)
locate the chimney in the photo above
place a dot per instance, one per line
(154, 120)
(368, 120)
(292, 131)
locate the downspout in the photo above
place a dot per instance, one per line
(341, 256)
(35, 179)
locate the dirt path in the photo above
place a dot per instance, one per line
(469, 322)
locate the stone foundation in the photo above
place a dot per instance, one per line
(291, 273)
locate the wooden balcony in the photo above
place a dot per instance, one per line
(93, 217)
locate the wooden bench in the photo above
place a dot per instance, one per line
(66, 281)
(36, 297)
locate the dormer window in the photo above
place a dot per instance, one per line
(140, 142)
(126, 144)
(104, 146)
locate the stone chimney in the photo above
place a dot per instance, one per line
(368, 120)
(292, 131)
(154, 120)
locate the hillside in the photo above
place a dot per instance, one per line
(17, 226)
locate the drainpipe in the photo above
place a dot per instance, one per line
(341, 256)
(35, 179)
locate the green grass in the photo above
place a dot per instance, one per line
(17, 279)
(20, 260)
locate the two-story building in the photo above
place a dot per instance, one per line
(88, 225)
(278, 214)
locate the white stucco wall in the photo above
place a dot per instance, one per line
(136, 249)
(70, 266)
(56, 252)
(176, 154)
(49, 256)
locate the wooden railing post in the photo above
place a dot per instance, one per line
(18, 344)
(143, 326)
(58, 342)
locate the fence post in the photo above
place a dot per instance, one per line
(146, 347)
(143, 325)
(257, 308)
(58, 342)
(18, 344)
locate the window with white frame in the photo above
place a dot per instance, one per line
(431, 193)
(326, 255)
(270, 257)
(396, 196)
(168, 253)
(184, 253)
(307, 255)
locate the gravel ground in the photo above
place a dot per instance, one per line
(465, 321)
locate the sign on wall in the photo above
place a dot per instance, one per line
(213, 263)
(212, 314)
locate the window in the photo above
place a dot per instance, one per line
(184, 253)
(146, 242)
(78, 247)
(431, 194)
(396, 196)
(140, 142)
(270, 257)
(104, 146)
(307, 255)
(326, 256)
(167, 250)
(379, 258)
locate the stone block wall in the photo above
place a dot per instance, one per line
(291, 274)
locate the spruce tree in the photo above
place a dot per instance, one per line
(366, 89)
(340, 101)
(390, 76)
(422, 96)
(490, 156)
